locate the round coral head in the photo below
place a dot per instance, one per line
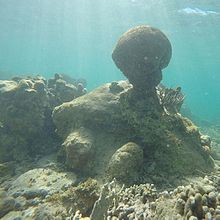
(141, 53)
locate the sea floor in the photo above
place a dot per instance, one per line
(43, 189)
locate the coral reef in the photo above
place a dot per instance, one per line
(211, 141)
(31, 195)
(113, 121)
(7, 203)
(23, 117)
(46, 193)
(79, 148)
(85, 195)
(141, 53)
(197, 200)
(109, 195)
(126, 163)
(170, 99)
(79, 198)
(135, 202)
(119, 112)
(26, 127)
(62, 88)
(97, 113)
(129, 131)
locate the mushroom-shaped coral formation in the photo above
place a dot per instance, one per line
(120, 117)
(141, 53)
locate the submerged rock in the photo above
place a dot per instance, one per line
(119, 113)
(26, 127)
(85, 194)
(7, 203)
(125, 163)
(40, 182)
(97, 113)
(167, 140)
(22, 115)
(98, 109)
(79, 148)
(34, 190)
(63, 88)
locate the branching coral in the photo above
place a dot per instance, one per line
(109, 195)
(170, 99)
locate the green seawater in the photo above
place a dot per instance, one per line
(76, 37)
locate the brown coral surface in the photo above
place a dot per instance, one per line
(141, 53)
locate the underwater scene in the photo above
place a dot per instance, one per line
(109, 110)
